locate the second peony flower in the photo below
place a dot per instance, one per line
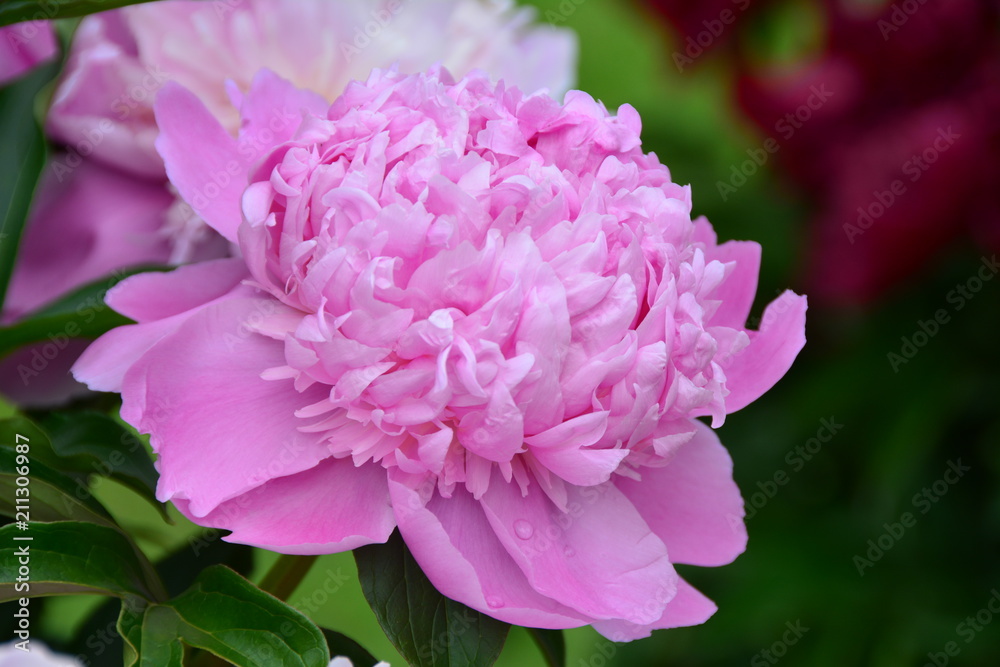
(483, 318)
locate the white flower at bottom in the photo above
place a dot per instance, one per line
(344, 662)
(37, 655)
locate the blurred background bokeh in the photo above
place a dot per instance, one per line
(857, 141)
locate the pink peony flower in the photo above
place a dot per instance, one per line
(23, 46)
(482, 317)
(102, 110)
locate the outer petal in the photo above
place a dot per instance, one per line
(327, 509)
(688, 607)
(461, 555)
(154, 296)
(103, 365)
(219, 429)
(173, 296)
(737, 291)
(202, 159)
(600, 557)
(770, 353)
(87, 223)
(693, 504)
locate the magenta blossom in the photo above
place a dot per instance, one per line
(480, 317)
(23, 46)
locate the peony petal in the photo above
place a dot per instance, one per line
(600, 557)
(330, 508)
(154, 296)
(561, 449)
(457, 549)
(688, 607)
(219, 429)
(770, 353)
(737, 291)
(267, 123)
(692, 504)
(103, 365)
(583, 467)
(174, 296)
(202, 160)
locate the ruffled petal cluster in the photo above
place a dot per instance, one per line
(482, 317)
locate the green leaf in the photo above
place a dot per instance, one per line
(178, 572)
(552, 644)
(71, 557)
(343, 646)
(15, 11)
(93, 443)
(428, 629)
(51, 495)
(23, 158)
(81, 313)
(147, 644)
(40, 446)
(228, 616)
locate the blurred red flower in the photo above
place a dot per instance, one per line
(904, 157)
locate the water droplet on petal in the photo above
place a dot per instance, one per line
(570, 552)
(494, 602)
(523, 529)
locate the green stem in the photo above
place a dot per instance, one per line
(286, 575)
